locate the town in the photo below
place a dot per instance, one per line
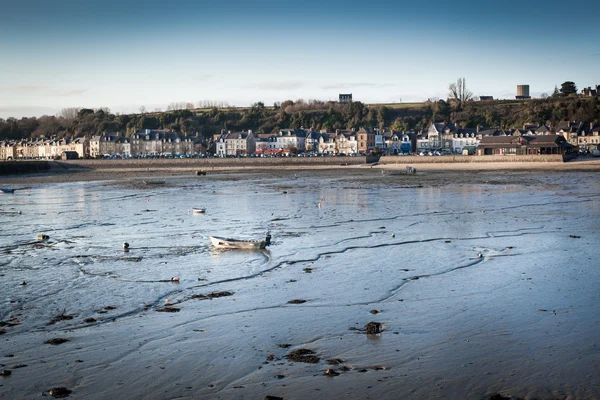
(439, 139)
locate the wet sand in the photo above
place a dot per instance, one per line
(507, 305)
(75, 173)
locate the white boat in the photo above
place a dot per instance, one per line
(228, 243)
(198, 210)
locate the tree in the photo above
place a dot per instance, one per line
(458, 92)
(555, 93)
(568, 88)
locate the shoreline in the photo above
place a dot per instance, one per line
(82, 171)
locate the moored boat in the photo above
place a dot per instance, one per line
(198, 210)
(7, 191)
(229, 243)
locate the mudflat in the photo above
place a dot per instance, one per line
(469, 283)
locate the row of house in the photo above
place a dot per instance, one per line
(439, 137)
(340, 142)
(147, 142)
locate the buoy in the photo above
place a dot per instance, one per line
(479, 255)
(42, 236)
(175, 279)
(319, 205)
(125, 246)
(393, 235)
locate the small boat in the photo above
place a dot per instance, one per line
(228, 243)
(154, 182)
(7, 191)
(198, 210)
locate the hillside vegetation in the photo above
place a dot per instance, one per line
(315, 114)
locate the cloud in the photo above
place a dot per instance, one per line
(276, 85)
(68, 92)
(356, 85)
(26, 89)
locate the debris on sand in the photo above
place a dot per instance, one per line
(498, 396)
(168, 309)
(296, 301)
(575, 236)
(211, 296)
(308, 270)
(63, 316)
(331, 372)
(59, 392)
(335, 361)
(56, 341)
(303, 355)
(5, 372)
(373, 328)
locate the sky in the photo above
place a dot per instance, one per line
(128, 53)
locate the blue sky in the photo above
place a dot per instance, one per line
(126, 54)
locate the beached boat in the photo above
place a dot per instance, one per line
(198, 210)
(228, 243)
(7, 191)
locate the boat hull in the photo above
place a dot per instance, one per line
(226, 243)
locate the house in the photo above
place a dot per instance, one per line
(366, 140)
(292, 139)
(589, 92)
(346, 143)
(440, 135)
(486, 98)
(236, 144)
(7, 150)
(345, 97)
(69, 155)
(326, 143)
(522, 145)
(466, 139)
(589, 137)
(570, 130)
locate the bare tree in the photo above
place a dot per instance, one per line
(142, 110)
(544, 95)
(459, 93)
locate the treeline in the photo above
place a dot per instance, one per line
(318, 115)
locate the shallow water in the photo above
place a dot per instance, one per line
(465, 276)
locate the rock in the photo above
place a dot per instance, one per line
(575, 236)
(89, 320)
(335, 361)
(168, 309)
(308, 270)
(374, 312)
(5, 372)
(59, 392)
(279, 376)
(284, 345)
(331, 372)
(373, 328)
(296, 301)
(303, 355)
(344, 368)
(56, 341)
(2, 331)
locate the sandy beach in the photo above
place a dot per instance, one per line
(458, 282)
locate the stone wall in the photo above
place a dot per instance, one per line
(471, 159)
(23, 167)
